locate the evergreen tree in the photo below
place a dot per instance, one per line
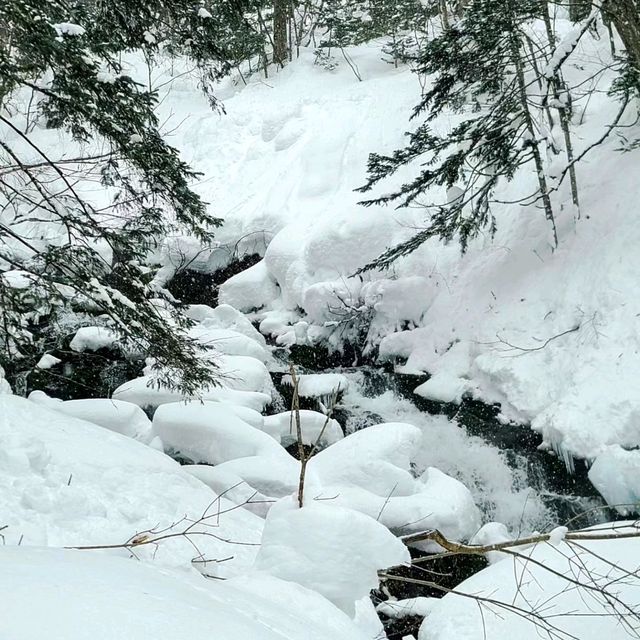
(480, 66)
(65, 55)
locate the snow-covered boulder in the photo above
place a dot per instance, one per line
(228, 342)
(232, 486)
(318, 385)
(93, 338)
(211, 432)
(615, 473)
(251, 289)
(271, 476)
(377, 459)
(312, 424)
(143, 392)
(122, 417)
(332, 550)
(225, 316)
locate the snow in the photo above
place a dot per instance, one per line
(377, 459)
(369, 471)
(234, 488)
(65, 481)
(615, 473)
(228, 342)
(116, 415)
(312, 424)
(145, 394)
(79, 594)
(225, 316)
(210, 432)
(92, 339)
(289, 154)
(250, 289)
(318, 385)
(492, 533)
(334, 551)
(498, 484)
(557, 535)
(527, 588)
(5, 388)
(443, 387)
(398, 609)
(47, 361)
(68, 29)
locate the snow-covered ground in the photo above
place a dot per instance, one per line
(550, 334)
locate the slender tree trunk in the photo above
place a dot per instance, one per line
(558, 90)
(280, 23)
(625, 16)
(579, 9)
(535, 149)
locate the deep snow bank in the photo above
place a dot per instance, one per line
(74, 595)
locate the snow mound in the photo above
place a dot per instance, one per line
(64, 481)
(211, 432)
(398, 609)
(277, 477)
(76, 595)
(224, 316)
(142, 392)
(116, 415)
(538, 603)
(334, 551)
(249, 290)
(370, 471)
(93, 338)
(318, 385)
(443, 387)
(615, 473)
(377, 459)
(312, 424)
(228, 342)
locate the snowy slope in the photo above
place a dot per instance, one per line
(73, 595)
(551, 334)
(64, 481)
(586, 590)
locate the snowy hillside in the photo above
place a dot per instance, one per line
(251, 437)
(550, 334)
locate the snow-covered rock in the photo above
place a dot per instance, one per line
(228, 342)
(332, 550)
(224, 316)
(377, 459)
(251, 289)
(143, 392)
(116, 415)
(232, 486)
(318, 385)
(312, 424)
(615, 473)
(93, 338)
(211, 432)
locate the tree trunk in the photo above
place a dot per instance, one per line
(579, 9)
(625, 16)
(280, 41)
